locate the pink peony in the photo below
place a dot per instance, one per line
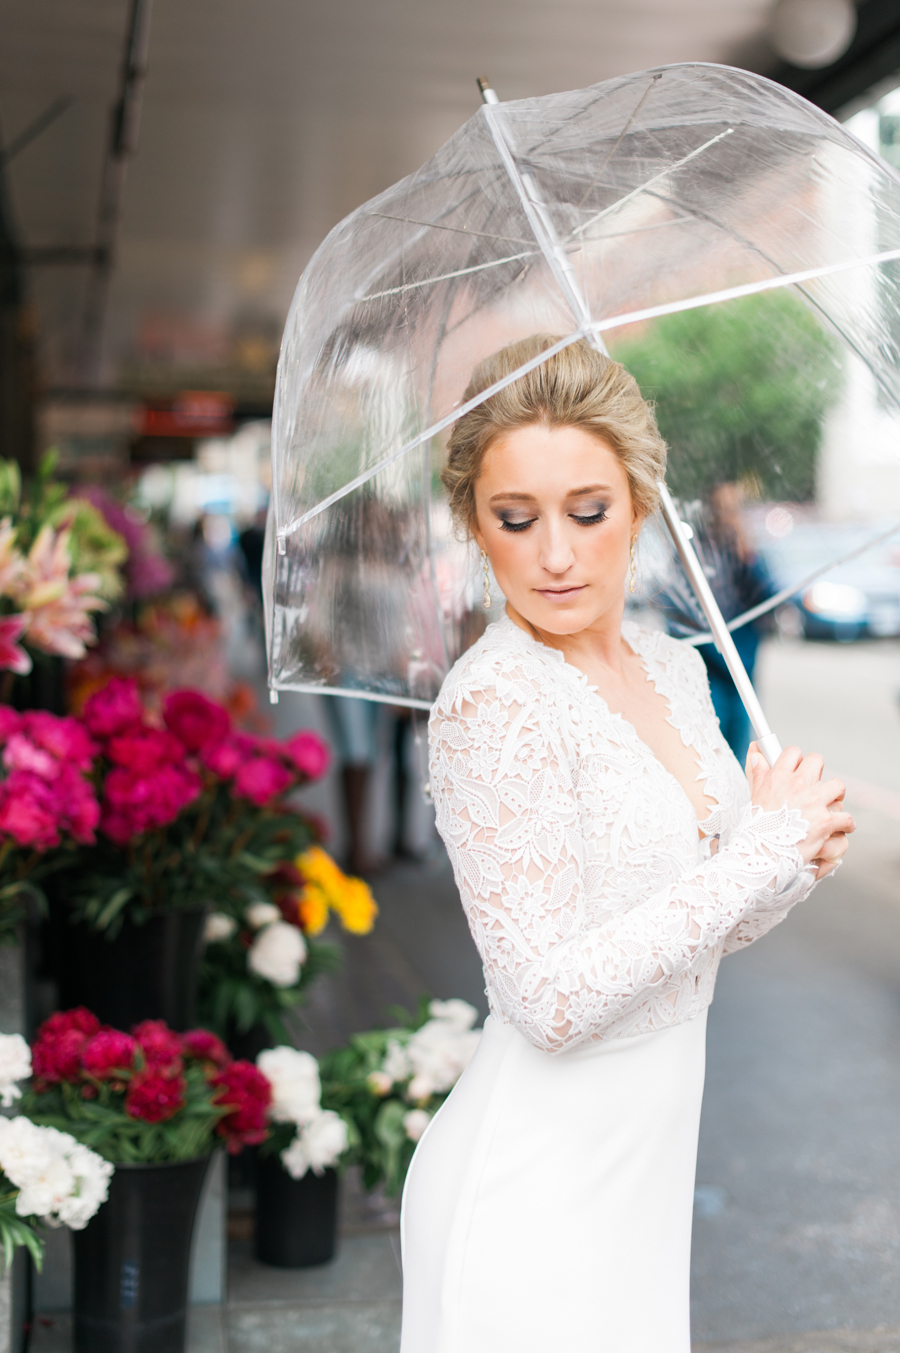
(154, 1096)
(248, 1094)
(196, 720)
(65, 738)
(143, 749)
(80, 816)
(204, 1046)
(160, 1045)
(308, 753)
(261, 779)
(12, 657)
(56, 1052)
(134, 804)
(28, 812)
(114, 708)
(226, 757)
(20, 753)
(107, 1052)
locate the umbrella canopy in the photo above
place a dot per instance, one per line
(620, 213)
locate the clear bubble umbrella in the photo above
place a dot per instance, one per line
(673, 216)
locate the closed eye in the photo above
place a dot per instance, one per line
(592, 520)
(516, 525)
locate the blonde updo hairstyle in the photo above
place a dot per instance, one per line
(577, 387)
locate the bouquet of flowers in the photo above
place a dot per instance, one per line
(45, 1175)
(389, 1083)
(306, 1136)
(191, 809)
(148, 1095)
(257, 966)
(59, 563)
(48, 806)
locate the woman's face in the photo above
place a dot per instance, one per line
(554, 513)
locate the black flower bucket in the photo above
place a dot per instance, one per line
(296, 1219)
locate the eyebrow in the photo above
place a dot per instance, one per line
(529, 498)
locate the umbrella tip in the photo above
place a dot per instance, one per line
(488, 93)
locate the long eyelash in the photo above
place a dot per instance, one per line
(591, 521)
(516, 525)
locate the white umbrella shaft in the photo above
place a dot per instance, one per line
(768, 741)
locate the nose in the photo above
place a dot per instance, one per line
(557, 555)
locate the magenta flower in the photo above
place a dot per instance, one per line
(160, 1045)
(143, 749)
(107, 1052)
(194, 719)
(114, 708)
(203, 1046)
(20, 753)
(154, 1096)
(27, 811)
(65, 738)
(308, 753)
(12, 657)
(226, 757)
(10, 721)
(261, 779)
(136, 803)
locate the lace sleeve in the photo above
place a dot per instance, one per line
(503, 776)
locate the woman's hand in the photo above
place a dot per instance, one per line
(796, 781)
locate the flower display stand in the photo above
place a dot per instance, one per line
(132, 1261)
(296, 1219)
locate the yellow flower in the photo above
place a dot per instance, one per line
(356, 907)
(312, 906)
(328, 886)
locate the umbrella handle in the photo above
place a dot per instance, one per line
(681, 534)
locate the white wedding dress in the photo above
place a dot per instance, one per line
(548, 1205)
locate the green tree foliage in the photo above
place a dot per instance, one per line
(741, 392)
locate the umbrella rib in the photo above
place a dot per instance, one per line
(786, 592)
(445, 277)
(594, 327)
(458, 230)
(654, 78)
(663, 173)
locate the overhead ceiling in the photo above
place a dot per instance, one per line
(263, 123)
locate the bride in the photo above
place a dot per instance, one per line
(608, 851)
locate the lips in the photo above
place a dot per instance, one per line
(560, 594)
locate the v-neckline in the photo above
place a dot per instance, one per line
(644, 747)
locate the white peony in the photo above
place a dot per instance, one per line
(259, 914)
(415, 1122)
(294, 1078)
(439, 1052)
(396, 1064)
(15, 1065)
(277, 954)
(219, 927)
(317, 1146)
(457, 1013)
(58, 1178)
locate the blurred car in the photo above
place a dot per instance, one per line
(856, 600)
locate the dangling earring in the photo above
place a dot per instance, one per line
(486, 599)
(633, 572)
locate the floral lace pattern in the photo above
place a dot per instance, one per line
(598, 910)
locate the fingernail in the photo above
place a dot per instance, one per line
(754, 760)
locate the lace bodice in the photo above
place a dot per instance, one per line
(598, 910)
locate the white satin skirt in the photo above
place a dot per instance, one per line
(548, 1205)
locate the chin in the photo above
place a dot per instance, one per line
(557, 619)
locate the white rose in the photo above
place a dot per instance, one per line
(218, 927)
(396, 1063)
(259, 914)
(439, 1053)
(15, 1065)
(379, 1082)
(295, 1159)
(415, 1122)
(277, 954)
(325, 1140)
(59, 1179)
(294, 1078)
(92, 1175)
(458, 1013)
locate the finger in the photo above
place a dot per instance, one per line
(812, 766)
(789, 760)
(757, 767)
(834, 847)
(842, 822)
(835, 790)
